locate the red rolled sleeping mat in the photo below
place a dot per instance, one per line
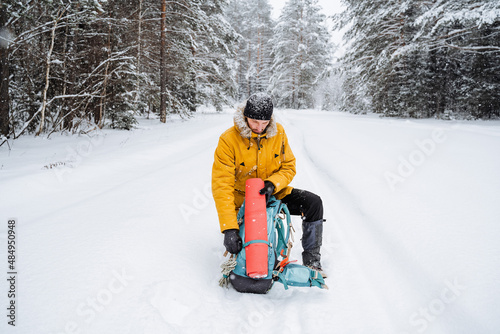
(256, 229)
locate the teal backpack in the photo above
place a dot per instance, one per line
(280, 268)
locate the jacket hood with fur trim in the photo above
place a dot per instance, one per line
(245, 131)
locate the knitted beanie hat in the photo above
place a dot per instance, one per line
(259, 106)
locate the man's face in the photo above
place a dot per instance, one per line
(257, 126)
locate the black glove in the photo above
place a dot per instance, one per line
(267, 190)
(232, 241)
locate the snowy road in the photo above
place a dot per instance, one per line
(121, 236)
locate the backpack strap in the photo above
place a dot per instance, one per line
(284, 228)
(256, 242)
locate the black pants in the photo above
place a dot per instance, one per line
(310, 207)
(304, 203)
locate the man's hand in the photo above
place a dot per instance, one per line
(232, 241)
(267, 190)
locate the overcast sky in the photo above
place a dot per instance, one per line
(329, 7)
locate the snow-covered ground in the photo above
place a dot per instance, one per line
(117, 231)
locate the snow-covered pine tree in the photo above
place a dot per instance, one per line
(372, 73)
(4, 74)
(78, 64)
(463, 39)
(46, 97)
(117, 101)
(199, 43)
(252, 21)
(214, 49)
(420, 59)
(302, 53)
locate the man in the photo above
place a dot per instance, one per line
(257, 146)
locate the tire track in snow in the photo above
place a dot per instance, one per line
(362, 235)
(346, 238)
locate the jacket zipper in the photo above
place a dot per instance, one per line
(257, 157)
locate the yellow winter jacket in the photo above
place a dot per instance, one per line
(242, 154)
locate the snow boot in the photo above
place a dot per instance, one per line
(312, 236)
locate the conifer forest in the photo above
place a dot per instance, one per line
(77, 65)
